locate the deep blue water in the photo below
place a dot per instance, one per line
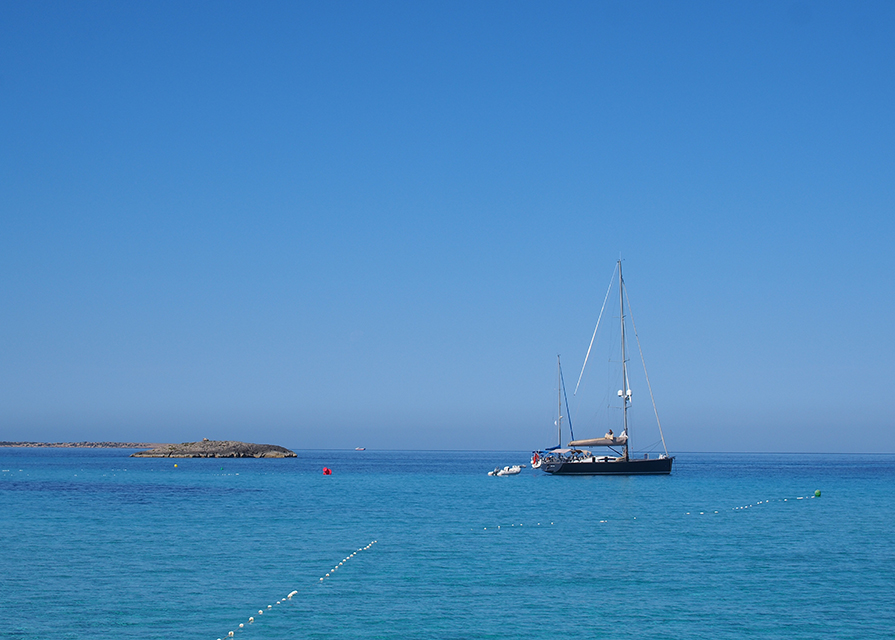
(99, 545)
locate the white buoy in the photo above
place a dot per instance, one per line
(241, 625)
(230, 635)
(251, 619)
(291, 594)
(260, 612)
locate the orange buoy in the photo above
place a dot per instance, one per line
(327, 471)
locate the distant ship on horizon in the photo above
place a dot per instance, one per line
(360, 448)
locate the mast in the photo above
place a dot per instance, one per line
(558, 401)
(625, 392)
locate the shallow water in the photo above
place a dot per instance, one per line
(99, 545)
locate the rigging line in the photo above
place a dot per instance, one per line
(603, 308)
(566, 398)
(643, 362)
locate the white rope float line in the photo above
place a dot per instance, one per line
(504, 527)
(514, 525)
(701, 513)
(761, 502)
(816, 495)
(288, 596)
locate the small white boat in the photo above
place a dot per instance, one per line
(507, 471)
(360, 448)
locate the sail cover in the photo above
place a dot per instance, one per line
(601, 442)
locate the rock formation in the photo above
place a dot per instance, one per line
(216, 449)
(83, 445)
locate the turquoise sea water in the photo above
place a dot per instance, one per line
(99, 545)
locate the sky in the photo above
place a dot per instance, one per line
(341, 224)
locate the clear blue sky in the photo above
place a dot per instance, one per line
(341, 224)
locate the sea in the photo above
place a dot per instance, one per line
(424, 544)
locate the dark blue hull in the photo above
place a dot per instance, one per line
(638, 467)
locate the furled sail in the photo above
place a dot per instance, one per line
(616, 441)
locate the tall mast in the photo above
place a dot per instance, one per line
(625, 392)
(558, 401)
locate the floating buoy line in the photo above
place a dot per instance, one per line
(499, 527)
(494, 528)
(765, 502)
(294, 592)
(504, 527)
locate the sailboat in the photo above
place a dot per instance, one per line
(576, 459)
